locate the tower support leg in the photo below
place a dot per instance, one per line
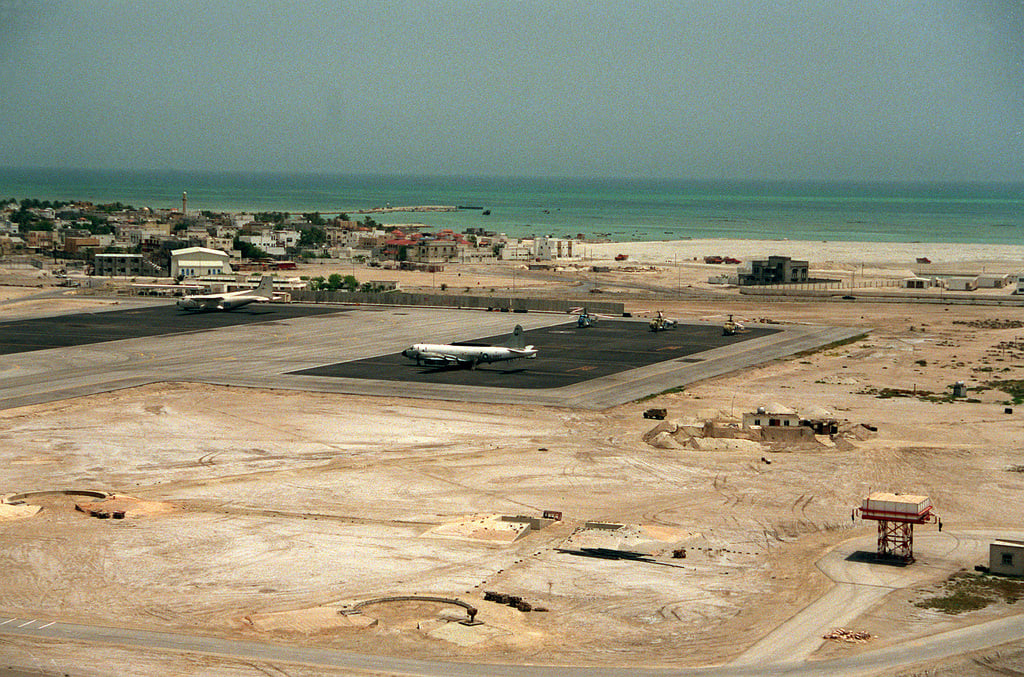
(896, 540)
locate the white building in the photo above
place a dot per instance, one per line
(265, 242)
(771, 415)
(962, 283)
(517, 251)
(992, 281)
(548, 248)
(199, 261)
(916, 283)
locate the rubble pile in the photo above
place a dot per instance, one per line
(847, 635)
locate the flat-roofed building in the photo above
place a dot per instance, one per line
(72, 245)
(118, 265)
(771, 415)
(436, 251)
(773, 270)
(962, 283)
(994, 281)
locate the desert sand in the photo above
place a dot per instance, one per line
(269, 522)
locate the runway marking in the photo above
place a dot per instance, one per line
(584, 368)
(8, 621)
(46, 626)
(27, 623)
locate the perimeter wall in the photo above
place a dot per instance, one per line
(458, 301)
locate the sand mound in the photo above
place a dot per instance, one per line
(646, 538)
(725, 444)
(664, 440)
(311, 621)
(17, 512)
(125, 505)
(460, 635)
(481, 528)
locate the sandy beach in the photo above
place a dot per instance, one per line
(817, 253)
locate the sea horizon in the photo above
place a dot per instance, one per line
(616, 209)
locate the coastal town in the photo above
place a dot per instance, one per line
(148, 251)
(121, 240)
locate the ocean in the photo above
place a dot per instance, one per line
(612, 209)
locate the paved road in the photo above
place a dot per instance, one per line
(886, 660)
(858, 584)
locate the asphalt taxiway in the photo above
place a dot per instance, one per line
(566, 354)
(355, 350)
(77, 329)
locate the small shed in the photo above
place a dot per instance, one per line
(1006, 557)
(820, 420)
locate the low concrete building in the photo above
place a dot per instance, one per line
(517, 251)
(771, 415)
(994, 281)
(916, 283)
(199, 261)
(1006, 557)
(962, 283)
(73, 245)
(773, 270)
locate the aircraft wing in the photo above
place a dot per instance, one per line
(433, 359)
(209, 301)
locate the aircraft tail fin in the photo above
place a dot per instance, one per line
(265, 288)
(516, 341)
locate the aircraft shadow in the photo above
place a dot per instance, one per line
(446, 370)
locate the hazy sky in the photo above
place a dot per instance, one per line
(918, 90)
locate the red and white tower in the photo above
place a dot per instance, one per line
(896, 515)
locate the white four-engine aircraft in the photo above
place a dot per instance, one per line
(444, 355)
(230, 300)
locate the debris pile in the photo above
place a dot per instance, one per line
(991, 323)
(514, 601)
(847, 635)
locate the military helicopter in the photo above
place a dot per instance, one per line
(661, 323)
(732, 327)
(585, 318)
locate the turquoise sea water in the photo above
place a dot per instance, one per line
(613, 209)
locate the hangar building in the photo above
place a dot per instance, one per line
(199, 261)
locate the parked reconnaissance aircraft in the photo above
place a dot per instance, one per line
(444, 355)
(230, 300)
